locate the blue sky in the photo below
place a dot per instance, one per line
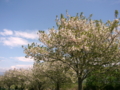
(21, 19)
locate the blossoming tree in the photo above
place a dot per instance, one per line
(53, 75)
(81, 43)
(15, 77)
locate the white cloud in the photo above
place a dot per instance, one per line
(17, 38)
(3, 69)
(2, 57)
(6, 32)
(23, 59)
(28, 35)
(23, 34)
(1, 60)
(21, 66)
(14, 41)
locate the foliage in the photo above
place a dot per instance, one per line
(42, 76)
(16, 77)
(54, 73)
(103, 81)
(83, 44)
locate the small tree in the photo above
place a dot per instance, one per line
(83, 44)
(7, 79)
(16, 77)
(36, 80)
(54, 73)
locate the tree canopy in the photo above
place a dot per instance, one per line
(80, 43)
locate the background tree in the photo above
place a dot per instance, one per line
(1, 82)
(16, 78)
(7, 79)
(54, 72)
(38, 81)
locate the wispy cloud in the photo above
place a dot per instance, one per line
(17, 38)
(24, 34)
(2, 57)
(30, 35)
(13, 41)
(22, 62)
(6, 32)
(23, 59)
(3, 69)
(21, 66)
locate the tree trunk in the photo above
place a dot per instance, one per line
(8, 87)
(22, 88)
(57, 86)
(79, 83)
